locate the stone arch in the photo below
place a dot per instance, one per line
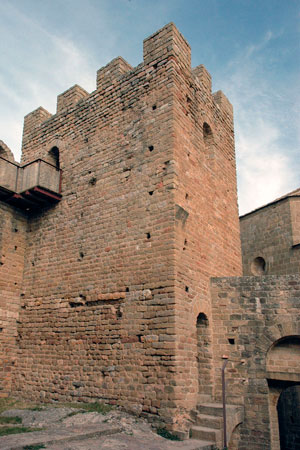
(270, 335)
(209, 143)
(235, 437)
(258, 266)
(283, 358)
(200, 304)
(53, 156)
(53, 152)
(207, 133)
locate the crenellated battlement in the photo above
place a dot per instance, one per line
(164, 48)
(111, 74)
(223, 103)
(34, 119)
(203, 77)
(70, 98)
(167, 43)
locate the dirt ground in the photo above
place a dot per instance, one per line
(68, 428)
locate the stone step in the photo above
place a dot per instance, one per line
(206, 420)
(205, 433)
(215, 409)
(197, 445)
(204, 398)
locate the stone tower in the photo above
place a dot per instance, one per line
(126, 206)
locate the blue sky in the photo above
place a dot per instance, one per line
(250, 47)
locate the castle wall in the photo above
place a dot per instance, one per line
(12, 248)
(256, 319)
(272, 233)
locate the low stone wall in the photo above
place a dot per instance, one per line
(251, 315)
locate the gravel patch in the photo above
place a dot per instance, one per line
(38, 419)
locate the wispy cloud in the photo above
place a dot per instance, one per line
(36, 69)
(265, 119)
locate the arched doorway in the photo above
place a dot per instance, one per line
(204, 356)
(288, 410)
(283, 374)
(53, 157)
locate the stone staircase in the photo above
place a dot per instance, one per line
(208, 418)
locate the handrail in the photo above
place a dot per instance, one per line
(225, 358)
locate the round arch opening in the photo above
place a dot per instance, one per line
(258, 266)
(53, 156)
(283, 358)
(207, 132)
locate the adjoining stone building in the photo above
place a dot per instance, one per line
(113, 230)
(270, 237)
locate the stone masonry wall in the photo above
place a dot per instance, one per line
(207, 225)
(98, 306)
(272, 233)
(295, 219)
(250, 315)
(12, 247)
